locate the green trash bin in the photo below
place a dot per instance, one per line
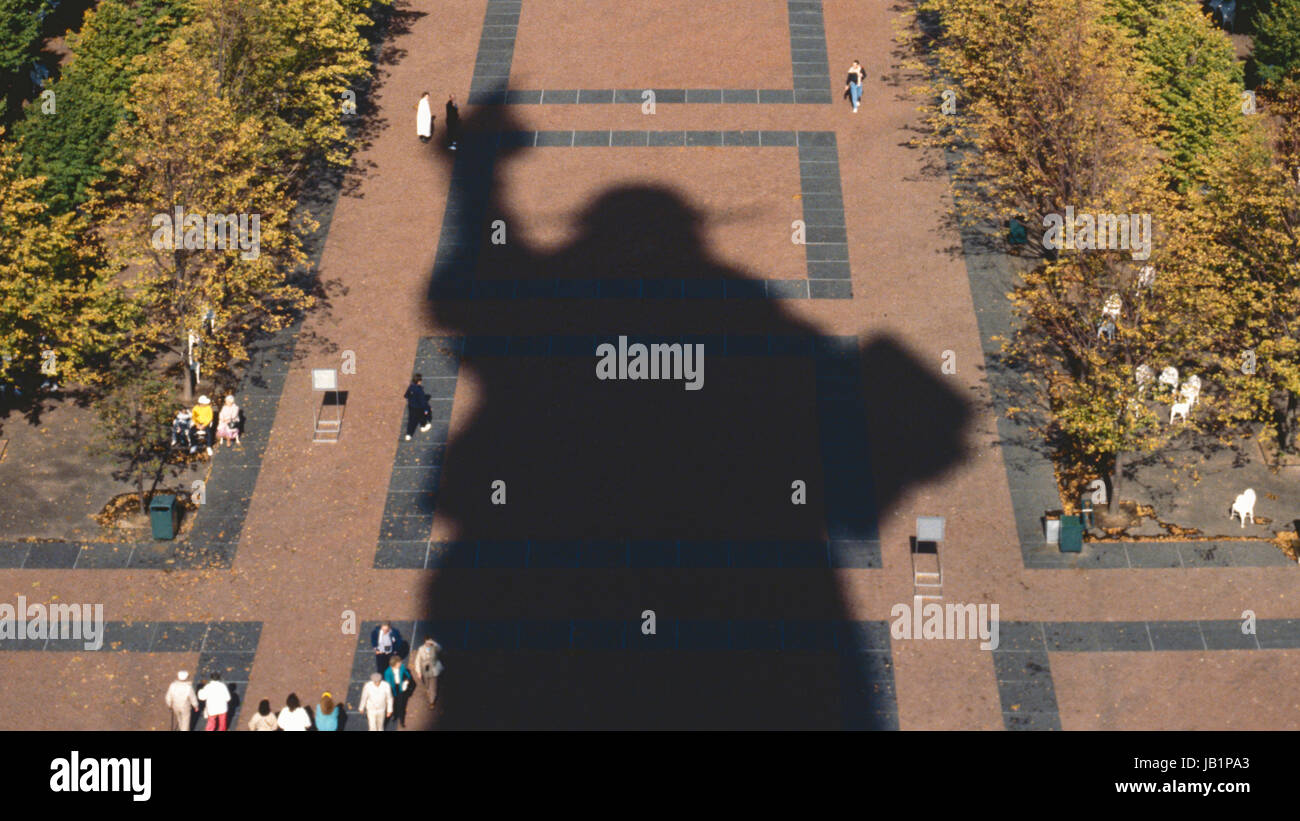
(162, 516)
(1017, 232)
(1071, 534)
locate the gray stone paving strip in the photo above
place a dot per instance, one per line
(868, 693)
(226, 647)
(1030, 474)
(809, 67)
(851, 513)
(1024, 672)
(826, 250)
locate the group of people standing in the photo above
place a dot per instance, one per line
(383, 698)
(183, 701)
(392, 684)
(293, 717)
(424, 120)
(192, 427)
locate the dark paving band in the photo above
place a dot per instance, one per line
(850, 504)
(225, 647)
(496, 49)
(867, 693)
(1024, 672)
(1030, 473)
(826, 250)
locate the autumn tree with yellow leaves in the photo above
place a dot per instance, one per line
(189, 161)
(60, 317)
(1120, 107)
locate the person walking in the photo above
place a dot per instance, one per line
(853, 85)
(216, 701)
(417, 408)
(202, 415)
(385, 640)
(228, 422)
(293, 718)
(182, 701)
(376, 702)
(399, 679)
(424, 118)
(327, 713)
(453, 120)
(427, 668)
(263, 720)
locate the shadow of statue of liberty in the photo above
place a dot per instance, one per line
(639, 495)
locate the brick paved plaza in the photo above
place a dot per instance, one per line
(822, 366)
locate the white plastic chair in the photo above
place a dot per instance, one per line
(1169, 376)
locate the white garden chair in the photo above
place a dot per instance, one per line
(1144, 376)
(1169, 376)
(1114, 304)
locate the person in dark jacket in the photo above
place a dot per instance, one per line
(399, 678)
(453, 120)
(417, 407)
(386, 641)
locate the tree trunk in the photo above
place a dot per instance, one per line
(1116, 480)
(1290, 428)
(139, 487)
(187, 392)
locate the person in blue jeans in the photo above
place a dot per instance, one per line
(853, 85)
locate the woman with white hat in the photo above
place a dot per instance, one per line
(203, 422)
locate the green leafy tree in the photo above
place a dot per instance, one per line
(1195, 86)
(20, 33)
(20, 29)
(69, 147)
(1277, 40)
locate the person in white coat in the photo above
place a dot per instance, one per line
(424, 118)
(376, 702)
(293, 717)
(182, 701)
(216, 701)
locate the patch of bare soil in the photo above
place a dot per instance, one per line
(121, 519)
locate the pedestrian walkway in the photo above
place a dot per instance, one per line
(655, 556)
